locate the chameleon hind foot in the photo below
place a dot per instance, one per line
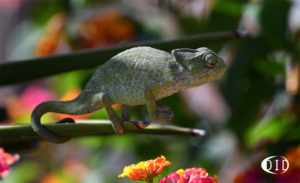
(116, 121)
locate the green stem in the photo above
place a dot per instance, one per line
(19, 133)
(25, 70)
(150, 180)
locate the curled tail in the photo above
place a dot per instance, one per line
(64, 107)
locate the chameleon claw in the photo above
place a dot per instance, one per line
(140, 124)
(119, 129)
(121, 132)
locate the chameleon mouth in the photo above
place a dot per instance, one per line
(212, 73)
(199, 78)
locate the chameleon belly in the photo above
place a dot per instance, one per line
(126, 76)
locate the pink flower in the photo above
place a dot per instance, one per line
(10, 4)
(172, 178)
(251, 175)
(191, 175)
(33, 96)
(6, 160)
(293, 173)
(20, 107)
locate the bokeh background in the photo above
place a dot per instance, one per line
(251, 113)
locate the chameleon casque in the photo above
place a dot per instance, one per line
(137, 76)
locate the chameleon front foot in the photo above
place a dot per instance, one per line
(162, 106)
(117, 123)
(157, 109)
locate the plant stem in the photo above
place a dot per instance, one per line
(25, 70)
(19, 133)
(150, 180)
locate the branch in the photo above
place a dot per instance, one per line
(17, 133)
(25, 70)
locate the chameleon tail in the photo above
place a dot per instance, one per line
(65, 107)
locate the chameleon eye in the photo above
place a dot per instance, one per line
(209, 59)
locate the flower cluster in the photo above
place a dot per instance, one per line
(145, 170)
(6, 160)
(53, 36)
(102, 29)
(105, 29)
(191, 175)
(293, 173)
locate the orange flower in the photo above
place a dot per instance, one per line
(50, 178)
(293, 156)
(145, 170)
(47, 45)
(293, 173)
(106, 28)
(53, 36)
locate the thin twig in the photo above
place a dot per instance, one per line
(18, 133)
(25, 70)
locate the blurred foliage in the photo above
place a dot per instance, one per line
(263, 117)
(42, 15)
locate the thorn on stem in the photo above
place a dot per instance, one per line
(197, 132)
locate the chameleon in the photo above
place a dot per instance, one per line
(136, 76)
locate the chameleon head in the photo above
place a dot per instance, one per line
(200, 65)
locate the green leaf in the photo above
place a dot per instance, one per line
(271, 129)
(23, 172)
(269, 67)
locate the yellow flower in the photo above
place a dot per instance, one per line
(145, 170)
(180, 171)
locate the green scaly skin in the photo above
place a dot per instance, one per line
(136, 76)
